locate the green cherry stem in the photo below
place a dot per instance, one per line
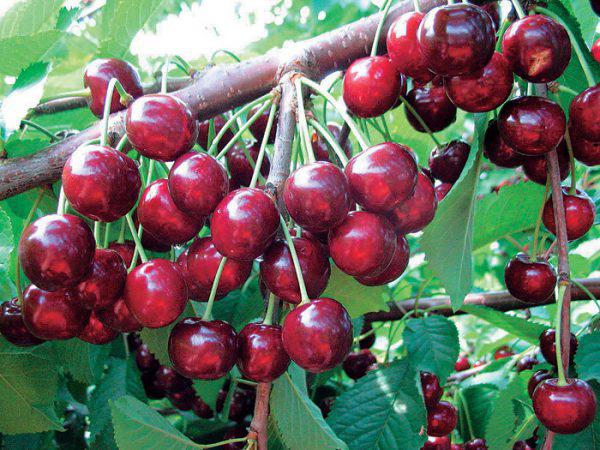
(338, 77)
(325, 133)
(122, 231)
(80, 93)
(294, 255)
(263, 146)
(303, 125)
(97, 233)
(384, 12)
(417, 116)
(41, 129)
(566, 90)
(219, 444)
(227, 52)
(183, 64)
(125, 99)
(573, 188)
(416, 6)
(213, 290)
(106, 234)
(136, 238)
(121, 143)
(165, 75)
(268, 320)
(562, 287)
(538, 221)
(518, 8)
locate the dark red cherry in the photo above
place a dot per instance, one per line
(318, 335)
(356, 364)
(12, 325)
(475, 444)
(105, 282)
(201, 409)
(462, 363)
(151, 388)
(134, 341)
(447, 162)
(418, 211)
(536, 379)
(259, 127)
(240, 168)
(56, 251)
(156, 293)
(394, 269)
(321, 148)
(484, 89)
(98, 74)
(596, 46)
(432, 391)
(260, 353)
(182, 400)
(125, 250)
(456, 39)
(197, 183)
(441, 419)
(437, 443)
(532, 125)
(583, 114)
(101, 183)
(564, 409)
(363, 244)
(526, 363)
(434, 107)
(548, 346)
(242, 404)
(537, 48)
(244, 224)
(497, 151)
(367, 341)
(503, 352)
(195, 291)
(200, 349)
(522, 445)
(170, 380)
(586, 152)
(580, 213)
(53, 315)
(96, 332)
(535, 167)
(118, 317)
(529, 281)
(160, 127)
(145, 359)
(441, 190)
(203, 129)
(494, 10)
(372, 86)
(317, 196)
(160, 217)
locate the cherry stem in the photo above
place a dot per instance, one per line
(136, 238)
(518, 8)
(97, 233)
(503, 27)
(294, 255)
(417, 116)
(40, 128)
(324, 132)
(566, 89)
(384, 12)
(573, 188)
(121, 143)
(303, 126)
(539, 218)
(106, 234)
(588, 293)
(268, 320)
(122, 231)
(219, 444)
(559, 361)
(80, 93)
(213, 291)
(125, 98)
(416, 6)
(227, 52)
(338, 77)
(62, 201)
(183, 64)
(263, 145)
(165, 75)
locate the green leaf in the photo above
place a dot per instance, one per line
(6, 246)
(84, 361)
(208, 391)
(18, 52)
(16, 147)
(475, 406)
(432, 344)
(586, 358)
(383, 410)
(29, 17)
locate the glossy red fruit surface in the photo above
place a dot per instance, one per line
(105, 282)
(197, 183)
(475, 444)
(356, 364)
(434, 107)
(195, 291)
(259, 127)
(596, 50)
(369, 340)
(441, 190)
(203, 350)
(125, 250)
(321, 148)
(462, 363)
(118, 317)
(101, 183)
(394, 269)
(96, 332)
(536, 379)
(182, 400)
(536, 167)
(532, 125)
(56, 251)
(98, 74)
(564, 409)
(432, 391)
(441, 419)
(12, 325)
(415, 213)
(201, 409)
(583, 114)
(203, 130)
(457, 39)
(382, 176)
(152, 390)
(170, 380)
(503, 352)
(244, 224)
(318, 335)
(371, 86)
(437, 443)
(529, 281)
(145, 359)
(317, 196)
(260, 353)
(537, 48)
(527, 362)
(53, 315)
(548, 346)
(240, 168)
(497, 151)
(403, 47)
(156, 293)
(586, 152)
(160, 217)
(160, 127)
(447, 162)
(580, 213)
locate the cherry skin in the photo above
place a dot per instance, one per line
(462, 363)
(125, 250)
(580, 213)
(394, 269)
(447, 162)
(529, 281)
(56, 251)
(441, 190)
(537, 48)
(118, 317)
(434, 107)
(170, 380)
(182, 400)
(244, 224)
(536, 167)
(437, 443)
(418, 211)
(382, 176)
(497, 151)
(357, 364)
(160, 127)
(583, 114)
(259, 127)
(548, 346)
(105, 282)
(201, 409)
(318, 335)
(321, 148)
(145, 359)
(367, 341)
(317, 196)
(239, 167)
(441, 419)
(202, 350)
(372, 86)
(96, 332)
(503, 352)
(432, 391)
(564, 409)
(536, 379)
(475, 444)
(457, 39)
(98, 74)
(260, 353)
(12, 325)
(197, 183)
(160, 217)
(203, 129)
(522, 445)
(526, 363)
(101, 183)
(152, 390)
(532, 125)
(195, 291)
(596, 50)
(156, 293)
(584, 151)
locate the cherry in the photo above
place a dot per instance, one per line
(493, 9)
(12, 325)
(134, 341)
(202, 349)
(526, 363)
(170, 381)
(441, 419)
(363, 244)
(462, 363)
(441, 190)
(259, 127)
(244, 224)
(197, 183)
(432, 392)
(279, 275)
(56, 251)
(236, 432)
(105, 282)
(497, 151)
(447, 162)
(98, 74)
(532, 125)
(195, 291)
(536, 379)
(53, 315)
(583, 114)
(596, 50)
(321, 148)
(503, 352)
(201, 409)
(317, 196)
(537, 48)
(96, 332)
(475, 444)
(564, 409)
(372, 86)
(318, 335)
(394, 269)
(434, 107)
(529, 281)
(580, 213)
(149, 242)
(125, 250)
(203, 262)
(156, 293)
(260, 353)
(457, 39)
(145, 359)
(586, 152)
(357, 364)
(184, 399)
(548, 346)
(535, 167)
(203, 129)
(404, 49)
(367, 341)
(160, 127)
(240, 168)
(382, 176)
(152, 390)
(118, 317)
(160, 217)
(100, 182)
(418, 211)
(437, 443)
(522, 445)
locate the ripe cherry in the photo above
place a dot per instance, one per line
(418, 211)
(170, 380)
(441, 419)
(548, 346)
(586, 152)
(318, 335)
(503, 352)
(497, 151)
(522, 445)
(202, 349)
(437, 443)
(434, 107)
(394, 269)
(152, 390)
(367, 341)
(56, 251)
(259, 127)
(321, 148)
(441, 190)
(125, 250)
(105, 282)
(536, 379)
(260, 353)
(583, 114)
(462, 363)
(475, 444)
(596, 50)
(201, 409)
(96, 332)
(195, 291)
(536, 167)
(529, 281)
(218, 123)
(356, 364)
(145, 359)
(118, 317)
(240, 168)
(432, 391)
(447, 162)
(526, 363)
(182, 400)
(580, 213)
(12, 325)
